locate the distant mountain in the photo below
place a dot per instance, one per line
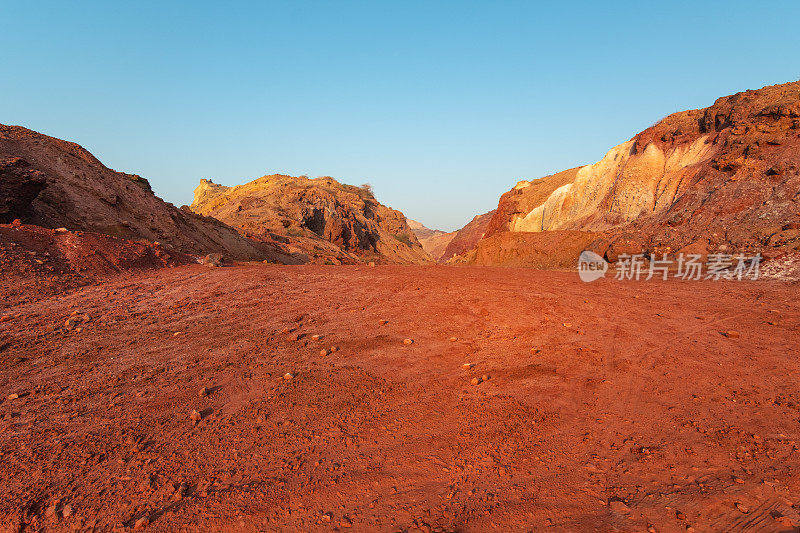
(421, 231)
(433, 241)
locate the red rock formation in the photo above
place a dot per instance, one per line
(525, 196)
(725, 178)
(321, 218)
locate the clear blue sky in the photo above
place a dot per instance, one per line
(442, 106)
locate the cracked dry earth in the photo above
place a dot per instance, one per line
(615, 406)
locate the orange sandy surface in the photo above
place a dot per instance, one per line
(632, 411)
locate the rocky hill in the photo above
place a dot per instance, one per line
(315, 219)
(724, 178)
(54, 183)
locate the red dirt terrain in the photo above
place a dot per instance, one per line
(37, 262)
(160, 401)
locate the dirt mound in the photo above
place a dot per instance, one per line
(321, 218)
(545, 250)
(37, 262)
(54, 183)
(721, 179)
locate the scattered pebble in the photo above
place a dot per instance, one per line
(567, 325)
(142, 523)
(334, 349)
(535, 351)
(324, 352)
(180, 492)
(287, 376)
(316, 337)
(476, 381)
(731, 334)
(5, 318)
(383, 322)
(619, 507)
(408, 341)
(679, 515)
(453, 339)
(66, 512)
(76, 319)
(176, 333)
(204, 392)
(195, 416)
(742, 508)
(468, 366)
(13, 396)
(485, 377)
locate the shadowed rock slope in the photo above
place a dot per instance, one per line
(53, 183)
(316, 219)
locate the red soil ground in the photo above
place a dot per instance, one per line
(632, 411)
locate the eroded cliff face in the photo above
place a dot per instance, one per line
(621, 187)
(320, 218)
(54, 183)
(721, 178)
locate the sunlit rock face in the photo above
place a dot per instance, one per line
(619, 188)
(320, 219)
(721, 179)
